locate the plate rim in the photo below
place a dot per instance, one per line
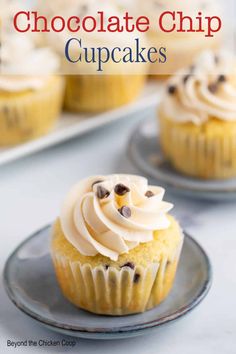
(185, 189)
(204, 290)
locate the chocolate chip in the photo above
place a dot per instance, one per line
(121, 189)
(149, 194)
(217, 59)
(222, 78)
(185, 78)
(128, 264)
(136, 278)
(98, 181)
(106, 266)
(213, 88)
(102, 192)
(172, 89)
(125, 211)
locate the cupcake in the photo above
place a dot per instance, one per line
(114, 247)
(87, 88)
(197, 118)
(31, 94)
(181, 48)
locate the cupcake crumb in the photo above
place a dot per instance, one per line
(149, 194)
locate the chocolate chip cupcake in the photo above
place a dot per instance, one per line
(198, 118)
(115, 248)
(31, 93)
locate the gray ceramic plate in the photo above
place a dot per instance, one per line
(145, 152)
(31, 285)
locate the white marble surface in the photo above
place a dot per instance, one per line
(31, 191)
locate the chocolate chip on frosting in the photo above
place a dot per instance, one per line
(149, 194)
(213, 87)
(128, 264)
(121, 189)
(185, 78)
(102, 192)
(172, 89)
(221, 78)
(125, 211)
(98, 181)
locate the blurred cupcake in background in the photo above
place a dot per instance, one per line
(197, 118)
(181, 48)
(87, 89)
(31, 94)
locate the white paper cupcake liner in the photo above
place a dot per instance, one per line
(116, 291)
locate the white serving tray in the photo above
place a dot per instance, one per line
(72, 125)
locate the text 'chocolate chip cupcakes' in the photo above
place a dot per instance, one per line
(198, 118)
(115, 248)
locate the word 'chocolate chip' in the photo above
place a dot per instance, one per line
(125, 211)
(102, 192)
(149, 194)
(136, 278)
(128, 264)
(121, 189)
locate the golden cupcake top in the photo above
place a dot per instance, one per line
(110, 215)
(207, 90)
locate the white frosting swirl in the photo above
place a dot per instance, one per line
(27, 59)
(207, 91)
(29, 67)
(94, 225)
